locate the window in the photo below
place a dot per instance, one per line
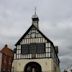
(33, 48)
(24, 49)
(40, 48)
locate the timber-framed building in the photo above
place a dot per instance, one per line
(35, 52)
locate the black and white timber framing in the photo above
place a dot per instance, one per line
(35, 45)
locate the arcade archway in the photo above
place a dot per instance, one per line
(32, 67)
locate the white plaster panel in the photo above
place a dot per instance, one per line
(45, 64)
(18, 46)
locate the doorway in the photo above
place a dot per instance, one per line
(32, 67)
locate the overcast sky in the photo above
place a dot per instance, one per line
(55, 22)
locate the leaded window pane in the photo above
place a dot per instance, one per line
(32, 48)
(40, 48)
(24, 49)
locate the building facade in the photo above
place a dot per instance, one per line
(0, 60)
(34, 52)
(68, 69)
(6, 55)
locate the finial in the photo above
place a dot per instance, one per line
(35, 15)
(35, 10)
(6, 46)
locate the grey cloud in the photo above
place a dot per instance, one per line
(61, 35)
(65, 63)
(55, 23)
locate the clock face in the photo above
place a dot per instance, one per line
(33, 35)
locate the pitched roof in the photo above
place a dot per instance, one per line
(18, 42)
